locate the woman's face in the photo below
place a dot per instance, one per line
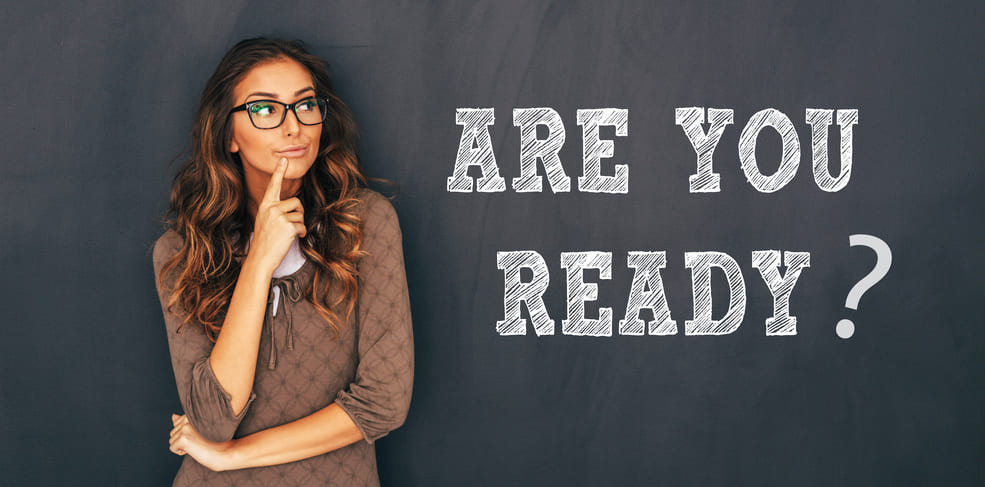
(286, 81)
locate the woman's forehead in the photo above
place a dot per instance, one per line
(281, 79)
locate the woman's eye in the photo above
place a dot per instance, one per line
(307, 105)
(263, 109)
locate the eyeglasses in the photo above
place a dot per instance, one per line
(269, 114)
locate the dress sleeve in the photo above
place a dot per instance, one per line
(206, 404)
(378, 398)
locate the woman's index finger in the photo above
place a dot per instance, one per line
(273, 187)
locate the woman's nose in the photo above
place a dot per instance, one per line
(291, 124)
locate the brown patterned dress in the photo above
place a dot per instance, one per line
(368, 370)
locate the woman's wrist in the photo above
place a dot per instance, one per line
(252, 266)
(231, 455)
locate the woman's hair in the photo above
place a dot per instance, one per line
(209, 199)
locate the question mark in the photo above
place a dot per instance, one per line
(884, 259)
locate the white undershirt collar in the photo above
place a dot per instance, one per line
(291, 263)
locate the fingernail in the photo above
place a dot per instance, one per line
(283, 160)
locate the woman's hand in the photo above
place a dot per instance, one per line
(185, 440)
(277, 223)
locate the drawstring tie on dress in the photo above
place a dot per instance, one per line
(290, 287)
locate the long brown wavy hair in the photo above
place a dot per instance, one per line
(209, 199)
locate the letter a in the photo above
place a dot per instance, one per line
(475, 149)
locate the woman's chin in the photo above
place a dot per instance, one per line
(297, 168)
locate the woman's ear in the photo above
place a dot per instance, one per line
(233, 147)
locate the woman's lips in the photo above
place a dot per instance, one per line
(293, 151)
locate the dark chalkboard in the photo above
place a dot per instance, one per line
(99, 102)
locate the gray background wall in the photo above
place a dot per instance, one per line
(99, 99)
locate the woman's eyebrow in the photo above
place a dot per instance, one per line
(274, 95)
(263, 93)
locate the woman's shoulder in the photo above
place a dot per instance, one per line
(373, 206)
(166, 246)
(369, 198)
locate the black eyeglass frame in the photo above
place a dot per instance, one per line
(287, 107)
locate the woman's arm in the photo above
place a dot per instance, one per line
(204, 399)
(215, 381)
(234, 357)
(325, 430)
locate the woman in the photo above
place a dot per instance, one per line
(282, 283)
